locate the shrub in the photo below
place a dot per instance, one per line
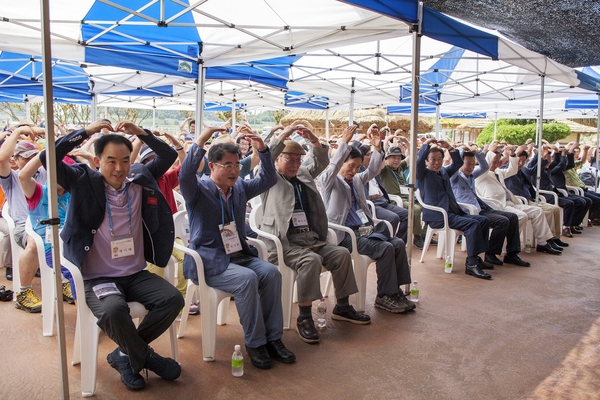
(518, 133)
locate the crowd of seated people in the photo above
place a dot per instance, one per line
(116, 199)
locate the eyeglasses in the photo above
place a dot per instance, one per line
(292, 160)
(231, 167)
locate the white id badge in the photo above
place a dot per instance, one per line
(299, 219)
(231, 240)
(105, 289)
(404, 190)
(363, 217)
(122, 247)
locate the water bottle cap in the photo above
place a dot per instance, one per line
(416, 282)
(237, 347)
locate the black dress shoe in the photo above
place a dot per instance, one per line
(575, 230)
(418, 241)
(547, 249)
(554, 245)
(350, 314)
(516, 260)
(307, 331)
(38, 274)
(477, 272)
(566, 232)
(492, 259)
(9, 273)
(278, 352)
(433, 242)
(484, 265)
(560, 243)
(259, 357)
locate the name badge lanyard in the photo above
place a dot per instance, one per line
(355, 198)
(299, 193)
(110, 221)
(396, 178)
(223, 212)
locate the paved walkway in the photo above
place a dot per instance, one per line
(530, 333)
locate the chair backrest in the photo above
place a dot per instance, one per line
(182, 226)
(179, 200)
(255, 215)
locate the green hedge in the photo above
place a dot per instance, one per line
(518, 134)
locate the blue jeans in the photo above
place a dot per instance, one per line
(256, 288)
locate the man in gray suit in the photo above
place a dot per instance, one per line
(293, 210)
(342, 188)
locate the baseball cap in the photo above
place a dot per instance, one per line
(26, 149)
(146, 153)
(394, 151)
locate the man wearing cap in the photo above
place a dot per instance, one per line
(22, 151)
(293, 210)
(392, 177)
(384, 208)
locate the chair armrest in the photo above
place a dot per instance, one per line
(261, 233)
(433, 208)
(197, 260)
(397, 199)
(260, 246)
(576, 190)
(349, 231)
(550, 193)
(389, 225)
(563, 192)
(470, 208)
(522, 199)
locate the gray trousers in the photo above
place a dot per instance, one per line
(391, 261)
(162, 300)
(309, 262)
(256, 288)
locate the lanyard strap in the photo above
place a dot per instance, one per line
(110, 221)
(299, 193)
(223, 211)
(355, 195)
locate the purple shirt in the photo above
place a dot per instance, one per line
(99, 262)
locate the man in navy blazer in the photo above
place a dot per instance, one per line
(118, 219)
(434, 185)
(216, 207)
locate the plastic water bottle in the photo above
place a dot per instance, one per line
(414, 292)
(528, 245)
(237, 362)
(321, 310)
(448, 265)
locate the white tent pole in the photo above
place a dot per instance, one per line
(327, 122)
(540, 136)
(414, 127)
(495, 124)
(153, 114)
(351, 110)
(200, 98)
(28, 110)
(437, 121)
(233, 116)
(52, 199)
(94, 113)
(106, 113)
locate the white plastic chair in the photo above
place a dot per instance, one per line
(541, 191)
(179, 200)
(16, 250)
(446, 235)
(48, 285)
(85, 347)
(361, 265)
(579, 191)
(214, 303)
(397, 199)
(288, 275)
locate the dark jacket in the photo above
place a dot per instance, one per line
(88, 200)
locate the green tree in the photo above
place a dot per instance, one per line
(135, 115)
(278, 115)
(519, 133)
(225, 115)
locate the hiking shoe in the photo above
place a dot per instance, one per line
(28, 301)
(350, 314)
(194, 310)
(391, 304)
(404, 300)
(165, 367)
(121, 364)
(67, 293)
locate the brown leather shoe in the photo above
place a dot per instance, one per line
(307, 331)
